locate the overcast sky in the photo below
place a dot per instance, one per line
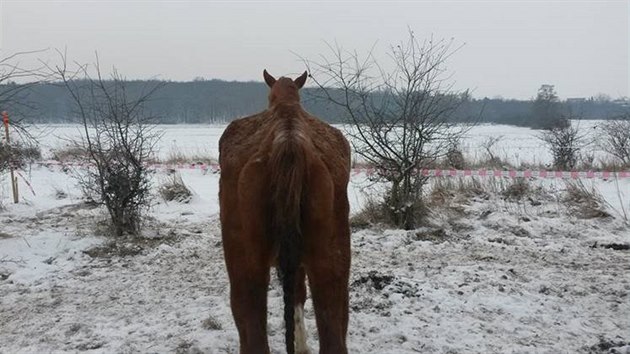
(511, 47)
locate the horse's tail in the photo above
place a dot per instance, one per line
(288, 169)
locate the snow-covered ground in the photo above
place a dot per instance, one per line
(486, 275)
(517, 144)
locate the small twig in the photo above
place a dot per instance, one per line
(28, 244)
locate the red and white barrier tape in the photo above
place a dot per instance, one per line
(513, 173)
(425, 172)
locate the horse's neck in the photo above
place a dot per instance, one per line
(286, 110)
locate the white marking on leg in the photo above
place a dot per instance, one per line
(300, 331)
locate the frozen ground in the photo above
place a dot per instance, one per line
(487, 276)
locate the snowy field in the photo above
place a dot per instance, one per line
(517, 145)
(485, 275)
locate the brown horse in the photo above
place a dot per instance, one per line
(283, 196)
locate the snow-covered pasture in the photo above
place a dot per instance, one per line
(486, 275)
(517, 145)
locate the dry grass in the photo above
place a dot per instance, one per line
(586, 203)
(70, 153)
(517, 190)
(176, 156)
(377, 212)
(174, 189)
(448, 191)
(611, 165)
(17, 154)
(495, 163)
(374, 212)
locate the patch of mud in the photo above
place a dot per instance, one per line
(114, 249)
(432, 235)
(613, 246)
(609, 346)
(130, 246)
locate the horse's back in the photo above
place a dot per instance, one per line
(243, 140)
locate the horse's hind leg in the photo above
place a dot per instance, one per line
(249, 280)
(328, 279)
(327, 261)
(247, 255)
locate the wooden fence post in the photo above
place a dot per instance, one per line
(14, 184)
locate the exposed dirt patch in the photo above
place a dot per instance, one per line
(613, 246)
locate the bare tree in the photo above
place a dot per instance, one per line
(547, 111)
(16, 80)
(615, 138)
(14, 99)
(399, 117)
(119, 137)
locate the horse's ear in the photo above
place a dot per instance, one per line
(300, 81)
(270, 80)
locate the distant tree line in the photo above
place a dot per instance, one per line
(217, 101)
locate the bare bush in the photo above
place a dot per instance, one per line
(455, 157)
(565, 144)
(14, 97)
(119, 137)
(17, 155)
(20, 147)
(491, 158)
(615, 138)
(400, 118)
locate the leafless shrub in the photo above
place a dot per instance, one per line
(491, 158)
(454, 157)
(400, 119)
(615, 138)
(17, 154)
(587, 161)
(377, 211)
(174, 189)
(119, 137)
(565, 143)
(14, 96)
(584, 202)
